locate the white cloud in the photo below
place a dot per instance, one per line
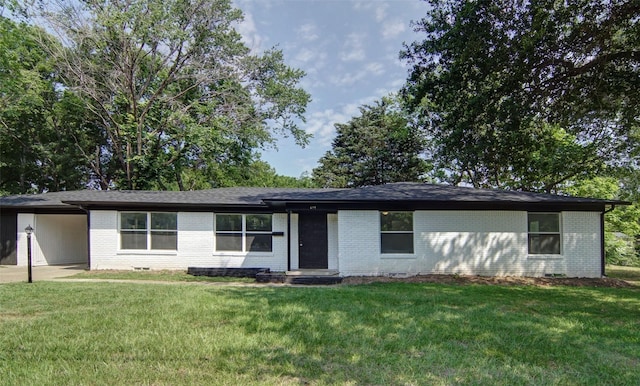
(306, 55)
(322, 123)
(353, 48)
(393, 28)
(312, 61)
(381, 11)
(379, 8)
(249, 32)
(374, 68)
(308, 32)
(347, 79)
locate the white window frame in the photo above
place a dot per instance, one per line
(559, 233)
(243, 232)
(148, 231)
(412, 232)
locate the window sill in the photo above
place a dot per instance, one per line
(243, 254)
(545, 257)
(160, 252)
(394, 256)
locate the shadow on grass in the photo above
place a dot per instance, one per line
(420, 333)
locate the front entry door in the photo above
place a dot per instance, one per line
(312, 238)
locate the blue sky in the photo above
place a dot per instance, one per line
(349, 50)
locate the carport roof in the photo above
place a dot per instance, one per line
(239, 196)
(415, 195)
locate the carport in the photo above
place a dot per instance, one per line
(57, 238)
(60, 233)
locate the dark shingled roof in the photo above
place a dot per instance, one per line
(210, 197)
(410, 193)
(414, 191)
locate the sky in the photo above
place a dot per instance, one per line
(349, 50)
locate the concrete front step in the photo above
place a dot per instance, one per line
(298, 279)
(313, 272)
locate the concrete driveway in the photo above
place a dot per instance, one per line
(12, 273)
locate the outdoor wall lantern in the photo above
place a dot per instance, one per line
(29, 230)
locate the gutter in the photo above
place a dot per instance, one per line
(602, 253)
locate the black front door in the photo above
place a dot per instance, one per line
(312, 238)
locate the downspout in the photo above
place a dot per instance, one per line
(602, 253)
(89, 240)
(288, 239)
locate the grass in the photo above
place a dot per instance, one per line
(163, 275)
(628, 274)
(384, 333)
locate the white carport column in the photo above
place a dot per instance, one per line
(24, 220)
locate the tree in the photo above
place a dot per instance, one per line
(527, 95)
(172, 88)
(382, 145)
(622, 226)
(250, 172)
(42, 130)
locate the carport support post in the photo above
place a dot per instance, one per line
(29, 231)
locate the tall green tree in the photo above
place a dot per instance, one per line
(43, 132)
(622, 226)
(380, 146)
(527, 95)
(172, 87)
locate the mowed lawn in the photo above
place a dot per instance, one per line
(385, 333)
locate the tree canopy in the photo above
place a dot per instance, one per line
(527, 95)
(170, 86)
(380, 146)
(43, 129)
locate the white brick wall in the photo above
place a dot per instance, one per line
(464, 242)
(468, 242)
(57, 239)
(581, 243)
(195, 246)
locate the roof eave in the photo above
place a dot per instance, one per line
(120, 205)
(446, 205)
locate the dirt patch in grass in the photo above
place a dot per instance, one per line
(493, 280)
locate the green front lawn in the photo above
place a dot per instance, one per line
(385, 333)
(628, 274)
(162, 275)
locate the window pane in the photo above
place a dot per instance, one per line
(396, 221)
(396, 242)
(229, 222)
(544, 244)
(229, 242)
(133, 221)
(164, 240)
(167, 221)
(544, 222)
(259, 222)
(259, 242)
(133, 240)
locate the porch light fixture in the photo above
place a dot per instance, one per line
(29, 230)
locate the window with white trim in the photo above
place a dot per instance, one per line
(244, 232)
(396, 232)
(149, 230)
(544, 234)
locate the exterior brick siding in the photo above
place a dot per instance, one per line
(195, 246)
(492, 243)
(447, 242)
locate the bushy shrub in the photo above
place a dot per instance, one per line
(620, 250)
